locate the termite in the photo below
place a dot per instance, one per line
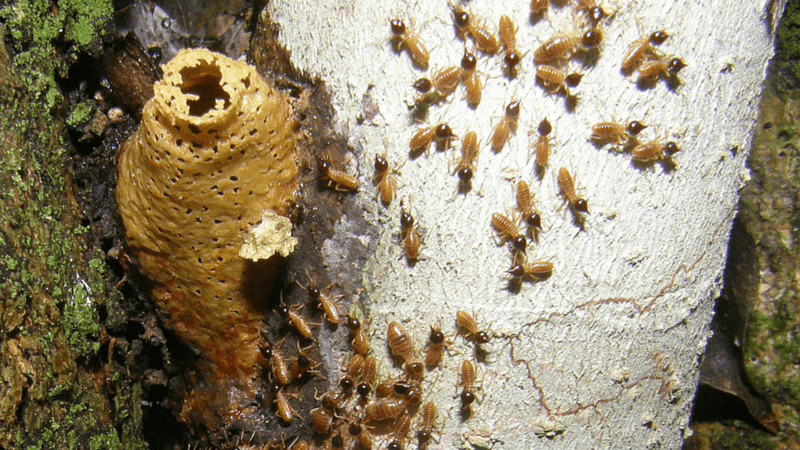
(472, 82)
(442, 134)
(389, 408)
(423, 85)
(507, 231)
(593, 12)
(465, 321)
(384, 389)
(401, 344)
(326, 302)
(461, 20)
(465, 165)
(387, 184)
(411, 42)
(615, 133)
(465, 25)
(279, 367)
(361, 434)
(555, 80)
(360, 336)
(542, 147)
(409, 235)
(640, 49)
(525, 206)
(368, 376)
(435, 347)
(536, 270)
(567, 186)
(539, 7)
(563, 46)
(296, 320)
(446, 80)
(303, 364)
(652, 69)
(426, 427)
(322, 419)
(506, 126)
(285, 411)
(650, 152)
(467, 382)
(401, 428)
(333, 400)
(337, 179)
(508, 37)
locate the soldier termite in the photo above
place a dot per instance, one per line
(529, 214)
(426, 427)
(409, 235)
(404, 39)
(615, 133)
(359, 336)
(541, 147)
(467, 323)
(592, 11)
(465, 25)
(506, 126)
(435, 347)
(467, 382)
(555, 80)
(536, 270)
(351, 372)
(567, 186)
(507, 231)
(640, 49)
(388, 408)
(387, 185)
(667, 68)
(650, 152)
(400, 432)
(563, 46)
(465, 164)
(368, 377)
(472, 82)
(337, 179)
(508, 37)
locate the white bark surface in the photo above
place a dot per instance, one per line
(605, 353)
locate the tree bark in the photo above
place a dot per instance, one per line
(604, 353)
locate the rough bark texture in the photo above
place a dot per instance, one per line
(605, 352)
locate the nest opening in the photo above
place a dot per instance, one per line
(203, 81)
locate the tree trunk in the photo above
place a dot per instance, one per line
(604, 353)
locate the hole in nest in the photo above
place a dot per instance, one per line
(203, 81)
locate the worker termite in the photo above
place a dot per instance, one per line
(641, 49)
(409, 235)
(555, 80)
(465, 164)
(442, 134)
(326, 302)
(536, 270)
(615, 133)
(321, 418)
(435, 347)
(507, 232)
(387, 185)
(401, 345)
(296, 320)
(337, 179)
(508, 37)
(538, 8)
(426, 427)
(541, 148)
(303, 365)
(506, 126)
(563, 46)
(404, 39)
(567, 186)
(472, 82)
(467, 323)
(650, 152)
(285, 411)
(333, 400)
(668, 68)
(446, 80)
(388, 408)
(465, 25)
(525, 207)
(361, 434)
(359, 336)
(279, 367)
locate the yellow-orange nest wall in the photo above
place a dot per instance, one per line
(215, 151)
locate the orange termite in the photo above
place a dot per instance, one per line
(555, 80)
(326, 302)
(389, 408)
(337, 179)
(401, 428)
(465, 25)
(296, 320)
(506, 126)
(652, 69)
(472, 82)
(387, 185)
(593, 12)
(536, 270)
(403, 39)
(322, 419)
(285, 411)
(615, 133)
(446, 80)
(563, 46)
(650, 152)
(567, 186)
(525, 206)
(542, 146)
(360, 336)
(465, 165)
(303, 364)
(426, 427)
(368, 377)
(435, 348)
(640, 49)
(465, 321)
(442, 134)
(507, 231)
(279, 367)
(508, 37)
(409, 235)
(467, 382)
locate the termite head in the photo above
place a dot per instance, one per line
(467, 398)
(481, 337)
(511, 59)
(582, 206)
(469, 61)
(423, 85)
(635, 127)
(596, 14)
(381, 165)
(460, 19)
(444, 132)
(516, 271)
(512, 110)
(670, 148)
(398, 27)
(675, 66)
(353, 323)
(415, 370)
(544, 127)
(519, 243)
(406, 220)
(658, 37)
(592, 38)
(436, 337)
(573, 79)
(465, 175)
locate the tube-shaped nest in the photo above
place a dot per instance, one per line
(215, 151)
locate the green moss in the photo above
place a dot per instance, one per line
(80, 114)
